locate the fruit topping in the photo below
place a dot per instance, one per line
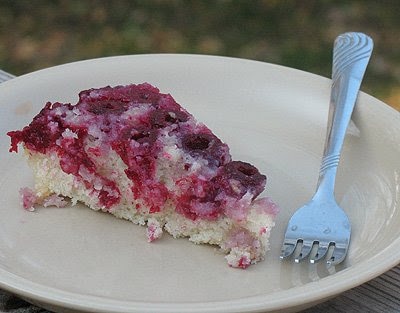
(161, 118)
(137, 122)
(240, 177)
(207, 146)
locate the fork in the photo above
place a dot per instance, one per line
(321, 229)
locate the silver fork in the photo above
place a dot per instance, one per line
(321, 225)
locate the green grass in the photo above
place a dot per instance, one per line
(299, 34)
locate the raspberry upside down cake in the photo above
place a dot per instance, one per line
(137, 154)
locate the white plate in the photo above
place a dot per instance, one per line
(270, 115)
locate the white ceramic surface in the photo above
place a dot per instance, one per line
(275, 117)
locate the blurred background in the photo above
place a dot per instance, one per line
(42, 33)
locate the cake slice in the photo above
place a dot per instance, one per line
(136, 153)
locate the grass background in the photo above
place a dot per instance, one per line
(299, 34)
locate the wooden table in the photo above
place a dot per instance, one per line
(381, 294)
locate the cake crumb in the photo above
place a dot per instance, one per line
(154, 230)
(29, 199)
(55, 200)
(239, 258)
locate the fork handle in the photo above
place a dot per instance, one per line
(351, 54)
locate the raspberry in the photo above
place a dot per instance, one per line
(247, 175)
(144, 135)
(197, 142)
(103, 107)
(162, 118)
(207, 146)
(140, 134)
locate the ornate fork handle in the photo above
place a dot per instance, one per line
(351, 54)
